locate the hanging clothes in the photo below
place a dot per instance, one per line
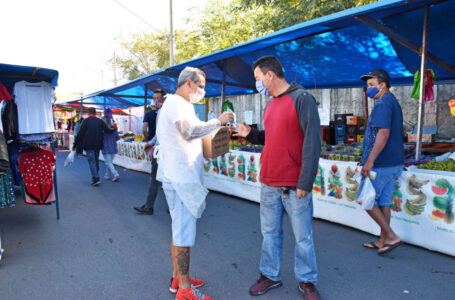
(34, 103)
(7, 198)
(228, 105)
(36, 168)
(429, 78)
(5, 97)
(4, 94)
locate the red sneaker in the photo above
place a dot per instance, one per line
(309, 291)
(196, 283)
(191, 294)
(263, 285)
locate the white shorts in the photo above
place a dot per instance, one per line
(183, 222)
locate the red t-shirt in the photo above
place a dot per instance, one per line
(37, 174)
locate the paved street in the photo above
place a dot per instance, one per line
(101, 249)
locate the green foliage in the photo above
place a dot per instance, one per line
(219, 25)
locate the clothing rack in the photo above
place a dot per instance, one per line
(9, 75)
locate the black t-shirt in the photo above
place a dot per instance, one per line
(150, 118)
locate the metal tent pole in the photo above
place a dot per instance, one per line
(223, 91)
(422, 85)
(57, 207)
(82, 108)
(145, 99)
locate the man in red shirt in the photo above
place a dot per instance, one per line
(292, 139)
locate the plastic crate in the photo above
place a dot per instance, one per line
(351, 138)
(355, 120)
(341, 118)
(351, 129)
(340, 139)
(340, 129)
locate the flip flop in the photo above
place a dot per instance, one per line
(389, 247)
(371, 245)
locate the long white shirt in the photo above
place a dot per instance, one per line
(180, 158)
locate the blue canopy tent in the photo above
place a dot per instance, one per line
(10, 74)
(328, 52)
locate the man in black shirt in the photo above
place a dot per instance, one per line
(149, 126)
(90, 139)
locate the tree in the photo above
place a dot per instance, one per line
(221, 25)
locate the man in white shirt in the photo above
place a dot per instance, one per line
(180, 162)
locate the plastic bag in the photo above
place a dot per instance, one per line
(367, 195)
(70, 159)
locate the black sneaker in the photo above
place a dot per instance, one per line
(144, 210)
(96, 182)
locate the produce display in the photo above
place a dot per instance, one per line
(243, 145)
(445, 165)
(342, 152)
(130, 137)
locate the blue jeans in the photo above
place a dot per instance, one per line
(300, 211)
(93, 163)
(110, 170)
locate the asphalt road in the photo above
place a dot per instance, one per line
(101, 249)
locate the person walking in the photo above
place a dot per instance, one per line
(155, 185)
(180, 165)
(90, 139)
(383, 153)
(292, 138)
(110, 146)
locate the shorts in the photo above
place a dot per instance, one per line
(183, 222)
(384, 184)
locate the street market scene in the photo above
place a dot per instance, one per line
(231, 149)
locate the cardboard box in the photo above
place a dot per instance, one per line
(216, 144)
(426, 138)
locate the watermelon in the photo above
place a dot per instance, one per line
(438, 213)
(439, 190)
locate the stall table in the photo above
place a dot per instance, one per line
(422, 203)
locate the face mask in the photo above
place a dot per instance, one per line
(261, 88)
(372, 91)
(198, 96)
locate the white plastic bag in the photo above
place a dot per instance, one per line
(367, 195)
(70, 159)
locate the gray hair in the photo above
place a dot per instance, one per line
(191, 74)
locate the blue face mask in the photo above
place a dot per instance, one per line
(372, 91)
(261, 88)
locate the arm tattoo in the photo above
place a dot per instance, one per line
(183, 260)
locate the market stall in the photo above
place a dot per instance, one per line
(422, 204)
(131, 154)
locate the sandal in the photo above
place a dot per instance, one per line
(389, 247)
(371, 245)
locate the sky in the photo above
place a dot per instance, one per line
(77, 38)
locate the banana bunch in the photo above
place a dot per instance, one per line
(415, 206)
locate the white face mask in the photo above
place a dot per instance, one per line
(198, 96)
